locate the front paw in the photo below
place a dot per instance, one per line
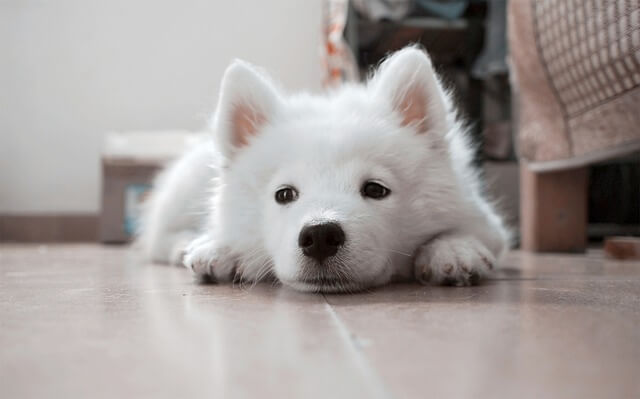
(453, 260)
(205, 260)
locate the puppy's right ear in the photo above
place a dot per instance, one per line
(408, 81)
(248, 101)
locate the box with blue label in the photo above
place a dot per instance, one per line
(130, 162)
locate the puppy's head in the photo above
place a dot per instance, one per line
(334, 191)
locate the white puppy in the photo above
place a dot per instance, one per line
(329, 193)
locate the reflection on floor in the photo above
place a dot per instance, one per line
(90, 321)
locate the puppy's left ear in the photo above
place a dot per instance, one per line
(407, 79)
(248, 101)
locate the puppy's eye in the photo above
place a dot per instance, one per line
(374, 190)
(285, 195)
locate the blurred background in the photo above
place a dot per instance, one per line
(96, 96)
(72, 71)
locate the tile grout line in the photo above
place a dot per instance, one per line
(365, 368)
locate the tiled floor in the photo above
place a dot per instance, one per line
(87, 321)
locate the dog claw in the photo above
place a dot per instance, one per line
(426, 275)
(487, 262)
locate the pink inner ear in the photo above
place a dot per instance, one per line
(245, 122)
(413, 108)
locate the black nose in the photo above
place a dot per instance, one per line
(320, 241)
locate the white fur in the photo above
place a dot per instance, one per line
(435, 225)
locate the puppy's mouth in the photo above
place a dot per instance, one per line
(325, 284)
(322, 281)
(330, 276)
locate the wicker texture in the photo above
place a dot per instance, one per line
(576, 66)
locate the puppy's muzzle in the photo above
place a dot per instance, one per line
(321, 241)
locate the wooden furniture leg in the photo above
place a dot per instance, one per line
(553, 210)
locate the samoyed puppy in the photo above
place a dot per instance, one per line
(338, 192)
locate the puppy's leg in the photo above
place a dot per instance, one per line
(453, 259)
(173, 214)
(204, 259)
(178, 246)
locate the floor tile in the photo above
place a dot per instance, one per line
(87, 321)
(546, 326)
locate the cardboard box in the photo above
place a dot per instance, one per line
(130, 162)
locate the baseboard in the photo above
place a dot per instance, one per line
(49, 228)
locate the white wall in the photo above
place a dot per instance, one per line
(71, 70)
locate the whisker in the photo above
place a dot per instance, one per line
(398, 252)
